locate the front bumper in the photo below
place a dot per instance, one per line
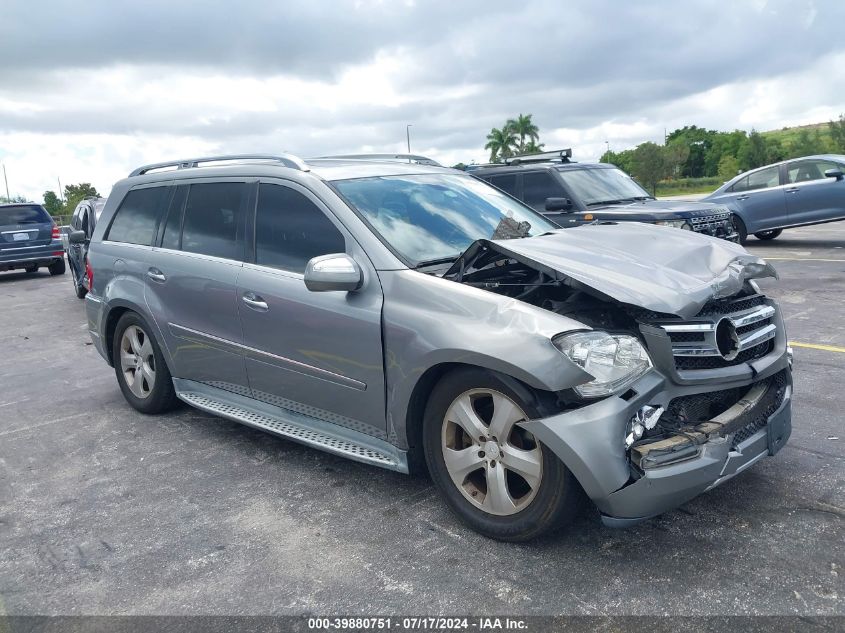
(590, 441)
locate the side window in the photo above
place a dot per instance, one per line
(173, 225)
(537, 186)
(74, 219)
(762, 179)
(505, 182)
(214, 220)
(806, 170)
(290, 229)
(84, 225)
(135, 220)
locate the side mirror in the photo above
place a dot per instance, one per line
(333, 272)
(77, 237)
(833, 173)
(558, 204)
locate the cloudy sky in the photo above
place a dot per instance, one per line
(89, 90)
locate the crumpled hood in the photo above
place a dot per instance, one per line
(659, 207)
(657, 268)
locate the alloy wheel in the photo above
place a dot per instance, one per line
(137, 361)
(495, 464)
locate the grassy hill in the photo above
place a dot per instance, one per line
(788, 135)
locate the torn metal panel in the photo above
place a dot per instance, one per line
(670, 272)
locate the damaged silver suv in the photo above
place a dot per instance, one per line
(406, 315)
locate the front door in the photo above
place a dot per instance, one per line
(810, 196)
(316, 353)
(760, 199)
(192, 282)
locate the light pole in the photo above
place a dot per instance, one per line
(608, 149)
(408, 135)
(8, 197)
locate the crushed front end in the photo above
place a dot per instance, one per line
(717, 400)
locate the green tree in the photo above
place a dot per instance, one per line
(754, 152)
(837, 134)
(501, 143)
(699, 141)
(12, 200)
(523, 127)
(52, 203)
(649, 165)
(622, 160)
(532, 147)
(74, 195)
(728, 167)
(676, 155)
(723, 144)
(806, 144)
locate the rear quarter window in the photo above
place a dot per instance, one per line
(24, 214)
(135, 220)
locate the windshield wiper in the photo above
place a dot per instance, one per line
(619, 201)
(439, 260)
(641, 198)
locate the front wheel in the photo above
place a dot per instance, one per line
(78, 287)
(739, 227)
(768, 235)
(141, 371)
(493, 473)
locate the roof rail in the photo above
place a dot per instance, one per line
(563, 155)
(288, 160)
(411, 158)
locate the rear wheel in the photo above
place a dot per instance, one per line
(768, 235)
(57, 267)
(141, 372)
(493, 473)
(739, 227)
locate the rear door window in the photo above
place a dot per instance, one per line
(537, 186)
(214, 220)
(290, 229)
(505, 182)
(135, 220)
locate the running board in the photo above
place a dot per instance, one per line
(294, 426)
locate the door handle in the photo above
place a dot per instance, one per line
(740, 198)
(156, 275)
(255, 302)
(793, 190)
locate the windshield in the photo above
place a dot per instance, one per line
(23, 214)
(594, 186)
(437, 216)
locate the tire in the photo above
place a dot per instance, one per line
(139, 353)
(78, 288)
(31, 269)
(522, 508)
(739, 226)
(768, 235)
(57, 267)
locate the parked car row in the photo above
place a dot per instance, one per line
(29, 239)
(406, 315)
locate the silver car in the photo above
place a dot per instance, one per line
(797, 192)
(409, 316)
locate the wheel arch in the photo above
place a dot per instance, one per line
(113, 314)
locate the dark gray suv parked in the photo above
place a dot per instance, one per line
(402, 314)
(572, 194)
(82, 225)
(29, 239)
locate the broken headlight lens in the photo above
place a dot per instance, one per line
(678, 224)
(614, 361)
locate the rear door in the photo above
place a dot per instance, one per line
(191, 281)
(759, 200)
(25, 229)
(79, 221)
(810, 196)
(318, 353)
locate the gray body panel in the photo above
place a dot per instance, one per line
(348, 364)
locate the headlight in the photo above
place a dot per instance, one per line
(614, 361)
(678, 224)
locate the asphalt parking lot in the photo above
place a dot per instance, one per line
(106, 511)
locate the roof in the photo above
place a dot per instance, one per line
(495, 169)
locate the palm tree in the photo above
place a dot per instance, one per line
(500, 143)
(523, 127)
(533, 148)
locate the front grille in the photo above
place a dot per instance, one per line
(718, 224)
(724, 333)
(757, 419)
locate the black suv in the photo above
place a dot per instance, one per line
(76, 241)
(571, 193)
